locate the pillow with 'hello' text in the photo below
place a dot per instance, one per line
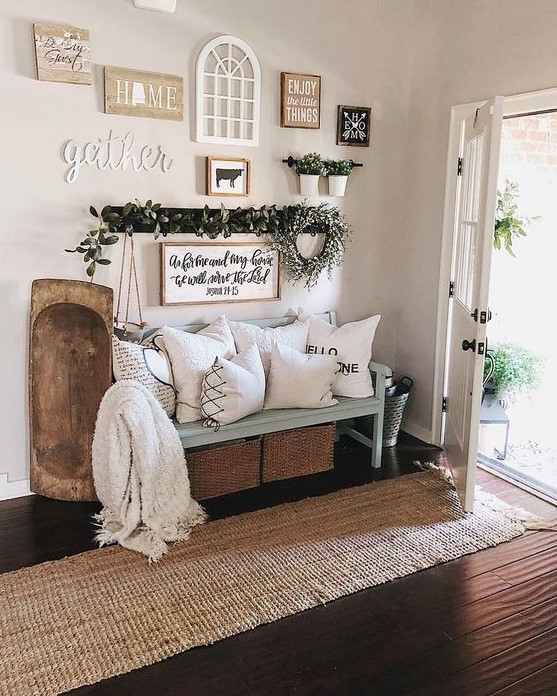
(351, 344)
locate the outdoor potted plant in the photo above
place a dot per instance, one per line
(515, 370)
(338, 172)
(309, 168)
(509, 225)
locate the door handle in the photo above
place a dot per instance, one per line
(469, 345)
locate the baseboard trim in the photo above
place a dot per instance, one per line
(13, 489)
(419, 432)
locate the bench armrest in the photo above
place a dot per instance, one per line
(380, 369)
(381, 373)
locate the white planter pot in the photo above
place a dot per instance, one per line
(309, 184)
(337, 184)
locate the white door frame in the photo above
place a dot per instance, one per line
(542, 100)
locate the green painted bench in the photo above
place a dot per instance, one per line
(197, 435)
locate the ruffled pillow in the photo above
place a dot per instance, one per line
(191, 355)
(293, 335)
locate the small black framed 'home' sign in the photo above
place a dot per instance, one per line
(353, 125)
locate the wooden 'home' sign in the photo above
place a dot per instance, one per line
(145, 94)
(62, 54)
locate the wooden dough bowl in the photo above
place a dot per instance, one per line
(69, 372)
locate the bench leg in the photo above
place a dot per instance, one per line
(377, 440)
(375, 444)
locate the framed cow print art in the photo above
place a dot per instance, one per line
(228, 176)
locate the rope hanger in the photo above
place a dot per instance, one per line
(131, 280)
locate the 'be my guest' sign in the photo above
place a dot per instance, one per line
(62, 53)
(200, 273)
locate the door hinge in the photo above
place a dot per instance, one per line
(459, 167)
(444, 405)
(451, 288)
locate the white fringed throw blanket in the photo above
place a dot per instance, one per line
(140, 473)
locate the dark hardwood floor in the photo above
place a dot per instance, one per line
(483, 624)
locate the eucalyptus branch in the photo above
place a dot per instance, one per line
(282, 226)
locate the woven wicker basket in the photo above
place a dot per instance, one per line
(224, 469)
(394, 410)
(299, 452)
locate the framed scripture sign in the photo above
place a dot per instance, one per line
(215, 272)
(228, 176)
(353, 125)
(300, 100)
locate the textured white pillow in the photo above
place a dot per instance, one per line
(351, 344)
(220, 331)
(233, 388)
(149, 366)
(293, 335)
(191, 355)
(298, 380)
(217, 329)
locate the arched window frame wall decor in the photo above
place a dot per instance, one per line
(228, 93)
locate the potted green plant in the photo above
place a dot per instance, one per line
(515, 369)
(309, 168)
(338, 172)
(509, 225)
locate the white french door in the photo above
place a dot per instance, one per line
(474, 219)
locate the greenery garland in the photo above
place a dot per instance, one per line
(152, 217)
(283, 226)
(301, 219)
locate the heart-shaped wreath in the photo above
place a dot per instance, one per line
(303, 219)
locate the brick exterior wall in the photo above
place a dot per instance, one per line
(531, 139)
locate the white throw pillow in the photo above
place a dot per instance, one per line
(220, 331)
(149, 366)
(298, 380)
(217, 329)
(191, 355)
(233, 388)
(351, 344)
(293, 335)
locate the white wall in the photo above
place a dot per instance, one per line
(362, 51)
(463, 51)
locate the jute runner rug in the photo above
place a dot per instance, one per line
(104, 612)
